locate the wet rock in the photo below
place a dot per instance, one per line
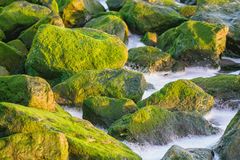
(155, 125)
(229, 65)
(150, 39)
(149, 59)
(103, 111)
(59, 52)
(188, 11)
(18, 16)
(181, 95)
(118, 83)
(110, 24)
(176, 152)
(19, 46)
(143, 17)
(228, 147)
(26, 90)
(223, 87)
(115, 5)
(195, 43)
(84, 140)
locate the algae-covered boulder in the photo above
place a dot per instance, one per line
(57, 51)
(39, 145)
(19, 46)
(27, 35)
(2, 35)
(118, 83)
(11, 59)
(155, 125)
(195, 43)
(226, 14)
(76, 13)
(179, 153)
(19, 15)
(26, 90)
(144, 17)
(149, 59)
(110, 24)
(181, 95)
(222, 87)
(104, 111)
(228, 147)
(213, 2)
(84, 140)
(3, 71)
(188, 10)
(150, 39)
(115, 4)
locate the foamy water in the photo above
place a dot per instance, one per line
(75, 112)
(104, 4)
(134, 41)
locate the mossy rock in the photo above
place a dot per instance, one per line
(225, 14)
(28, 35)
(188, 11)
(26, 90)
(228, 147)
(76, 13)
(3, 71)
(57, 52)
(149, 59)
(84, 140)
(181, 95)
(118, 83)
(196, 43)
(11, 59)
(20, 15)
(110, 24)
(143, 17)
(156, 125)
(115, 5)
(103, 111)
(179, 153)
(19, 46)
(2, 35)
(222, 87)
(213, 2)
(39, 145)
(189, 2)
(150, 39)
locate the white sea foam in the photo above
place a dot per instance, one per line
(104, 4)
(75, 112)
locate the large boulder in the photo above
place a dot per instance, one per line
(228, 147)
(179, 153)
(77, 12)
(57, 52)
(110, 24)
(226, 14)
(155, 125)
(143, 17)
(103, 111)
(28, 35)
(84, 140)
(119, 83)
(195, 43)
(19, 46)
(11, 58)
(39, 145)
(115, 4)
(149, 59)
(181, 95)
(20, 15)
(26, 90)
(222, 87)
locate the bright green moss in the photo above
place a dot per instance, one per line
(143, 17)
(188, 10)
(11, 59)
(158, 126)
(2, 35)
(149, 59)
(57, 52)
(110, 24)
(181, 95)
(27, 36)
(222, 87)
(3, 71)
(39, 145)
(195, 42)
(118, 83)
(149, 39)
(19, 15)
(25, 90)
(19, 46)
(84, 140)
(104, 111)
